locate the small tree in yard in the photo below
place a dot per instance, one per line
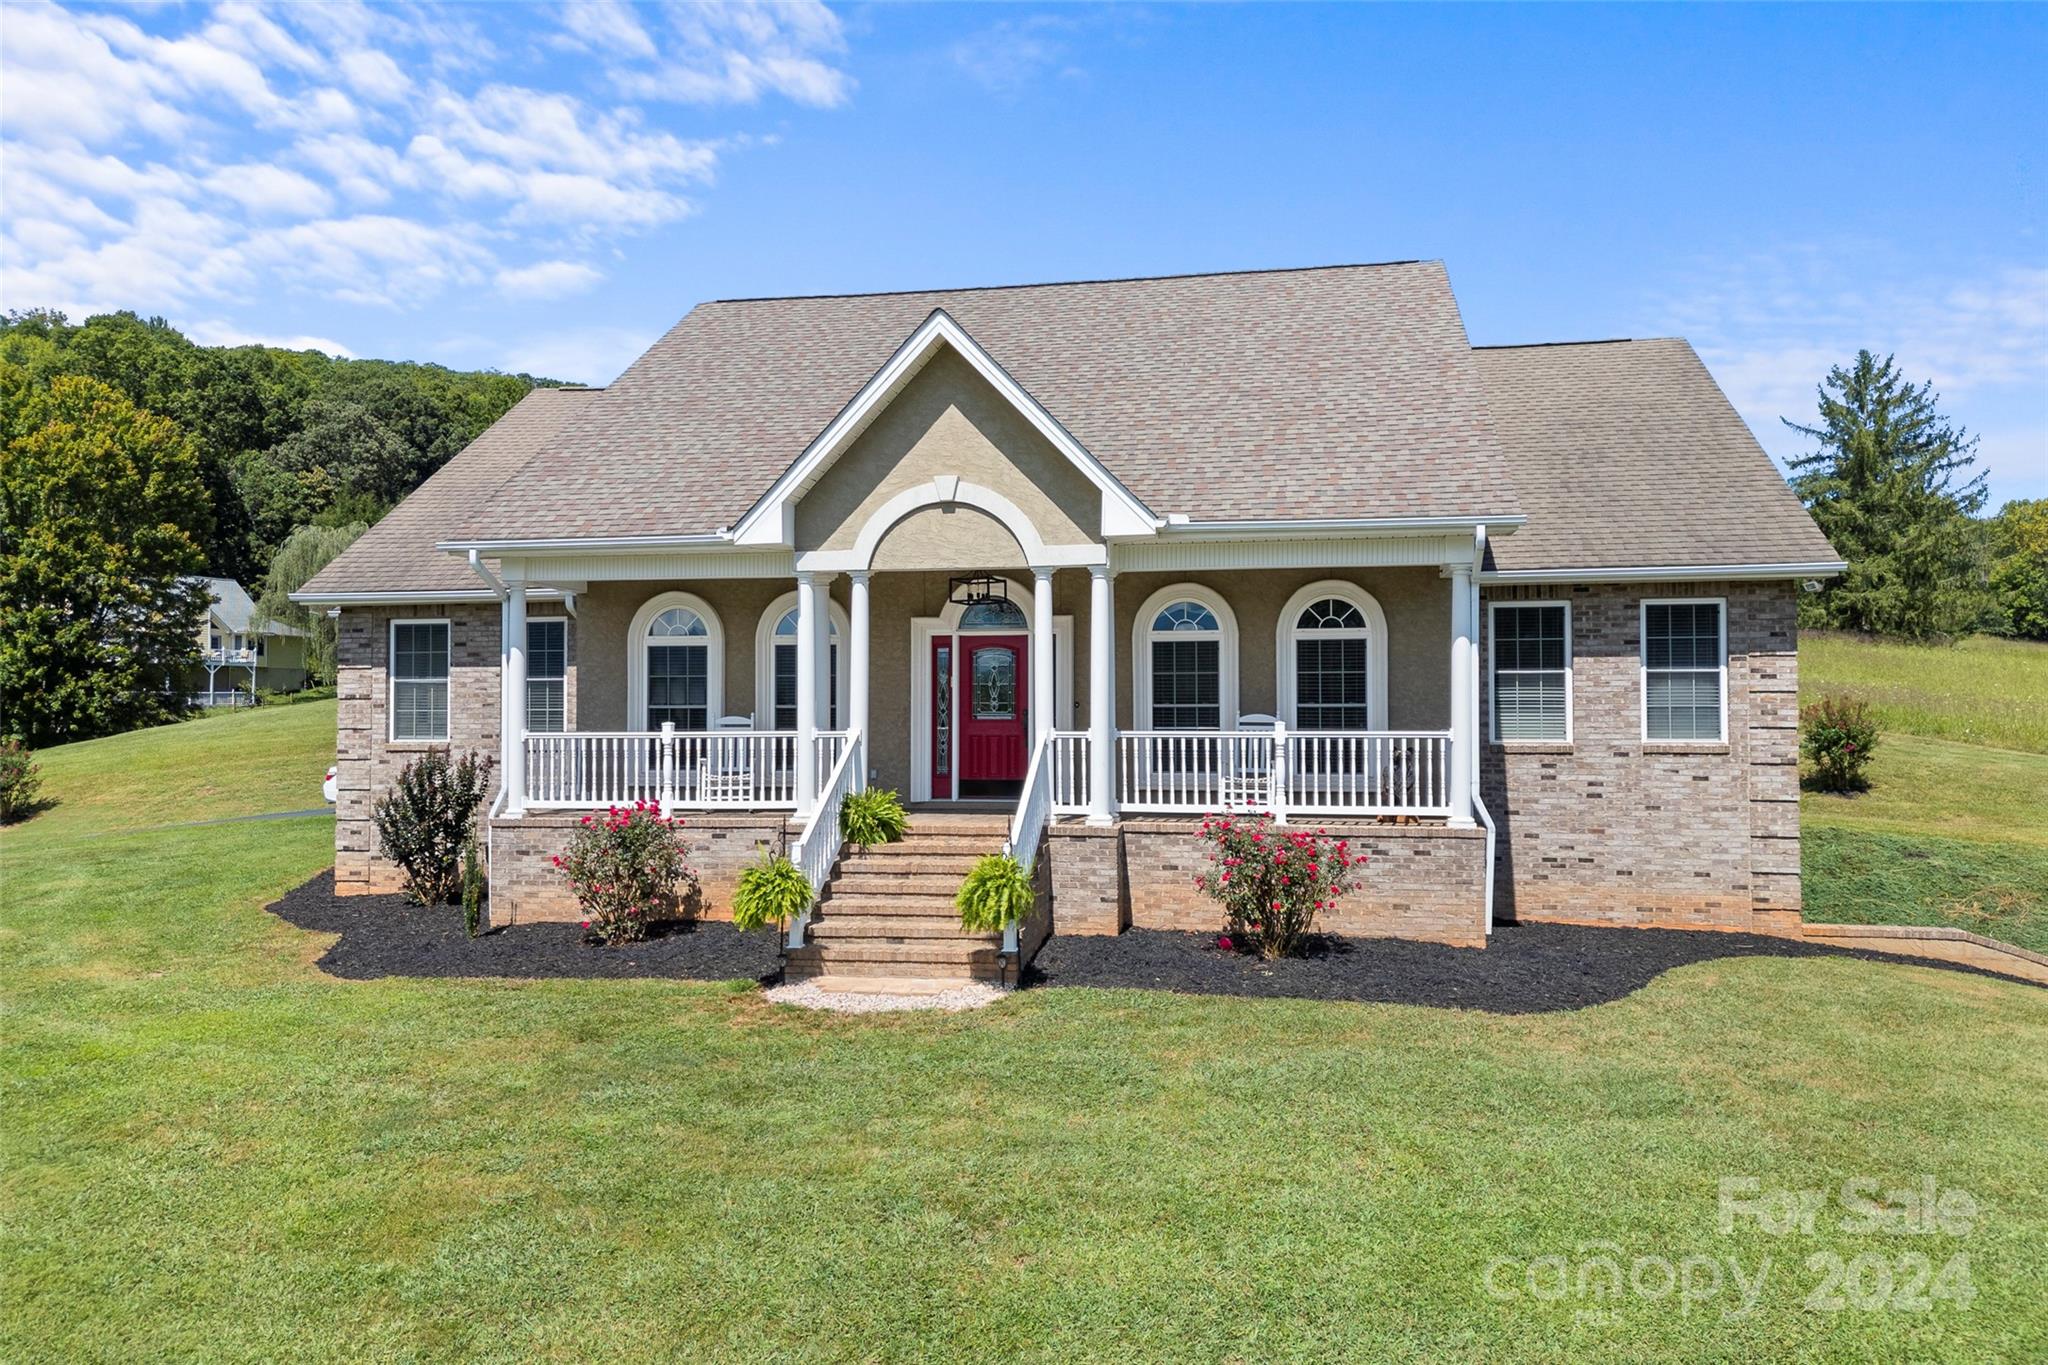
(426, 820)
(627, 869)
(1838, 734)
(20, 780)
(1272, 881)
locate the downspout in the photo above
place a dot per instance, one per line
(497, 586)
(1479, 636)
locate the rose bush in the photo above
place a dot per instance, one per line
(627, 869)
(1272, 880)
(1838, 734)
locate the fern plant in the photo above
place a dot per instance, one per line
(770, 892)
(996, 894)
(870, 817)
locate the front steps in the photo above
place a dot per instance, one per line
(888, 915)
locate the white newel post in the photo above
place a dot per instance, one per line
(1101, 697)
(857, 680)
(1464, 710)
(1041, 656)
(666, 757)
(808, 610)
(513, 720)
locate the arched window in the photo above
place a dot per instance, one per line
(1333, 671)
(998, 613)
(775, 667)
(675, 665)
(1186, 654)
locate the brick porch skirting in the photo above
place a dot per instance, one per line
(526, 887)
(1423, 881)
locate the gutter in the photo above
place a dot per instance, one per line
(663, 542)
(483, 571)
(1478, 674)
(1178, 525)
(1826, 568)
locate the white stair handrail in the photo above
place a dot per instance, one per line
(1034, 813)
(817, 848)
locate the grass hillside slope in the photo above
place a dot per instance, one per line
(1950, 832)
(209, 1149)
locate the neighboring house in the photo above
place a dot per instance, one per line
(1098, 558)
(237, 657)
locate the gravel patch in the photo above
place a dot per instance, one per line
(383, 936)
(968, 995)
(1525, 969)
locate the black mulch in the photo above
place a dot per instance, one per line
(1524, 969)
(384, 936)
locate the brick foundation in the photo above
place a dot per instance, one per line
(526, 886)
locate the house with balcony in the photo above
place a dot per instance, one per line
(238, 656)
(1071, 565)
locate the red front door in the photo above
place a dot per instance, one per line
(990, 681)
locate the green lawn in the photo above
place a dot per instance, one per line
(212, 1150)
(1949, 833)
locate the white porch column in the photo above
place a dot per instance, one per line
(1101, 697)
(513, 718)
(856, 717)
(1041, 656)
(809, 610)
(1464, 697)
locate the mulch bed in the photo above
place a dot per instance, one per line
(1524, 969)
(384, 936)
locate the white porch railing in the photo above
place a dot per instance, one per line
(1034, 812)
(1067, 770)
(693, 770)
(817, 848)
(1316, 772)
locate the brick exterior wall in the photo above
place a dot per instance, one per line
(526, 887)
(1610, 829)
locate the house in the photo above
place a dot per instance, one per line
(1069, 565)
(237, 656)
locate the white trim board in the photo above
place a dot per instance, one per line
(1667, 573)
(772, 519)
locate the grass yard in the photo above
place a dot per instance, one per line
(1949, 833)
(212, 1150)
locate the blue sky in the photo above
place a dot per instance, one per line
(549, 187)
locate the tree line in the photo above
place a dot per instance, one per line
(136, 458)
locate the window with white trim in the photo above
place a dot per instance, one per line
(1186, 655)
(1332, 648)
(547, 674)
(678, 653)
(1532, 659)
(785, 672)
(419, 680)
(1684, 670)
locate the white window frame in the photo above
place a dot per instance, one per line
(764, 657)
(636, 656)
(1493, 610)
(532, 677)
(1286, 683)
(1643, 665)
(1226, 652)
(391, 679)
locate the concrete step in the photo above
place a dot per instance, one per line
(927, 950)
(979, 822)
(826, 929)
(804, 964)
(922, 904)
(925, 845)
(954, 865)
(894, 883)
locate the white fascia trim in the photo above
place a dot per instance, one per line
(584, 544)
(403, 598)
(1336, 526)
(767, 522)
(1667, 573)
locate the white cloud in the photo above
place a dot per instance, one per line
(548, 279)
(1014, 53)
(718, 53)
(216, 332)
(582, 355)
(373, 75)
(270, 191)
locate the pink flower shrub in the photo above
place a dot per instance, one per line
(1272, 880)
(627, 870)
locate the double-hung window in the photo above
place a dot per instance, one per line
(1685, 670)
(547, 671)
(419, 680)
(1532, 671)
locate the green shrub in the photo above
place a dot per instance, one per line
(870, 817)
(996, 894)
(472, 889)
(1272, 881)
(424, 821)
(772, 891)
(1837, 735)
(20, 779)
(627, 869)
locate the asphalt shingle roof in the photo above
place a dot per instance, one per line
(1628, 455)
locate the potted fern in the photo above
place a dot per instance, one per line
(772, 891)
(996, 895)
(870, 817)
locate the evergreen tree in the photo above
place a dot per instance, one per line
(1889, 485)
(102, 514)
